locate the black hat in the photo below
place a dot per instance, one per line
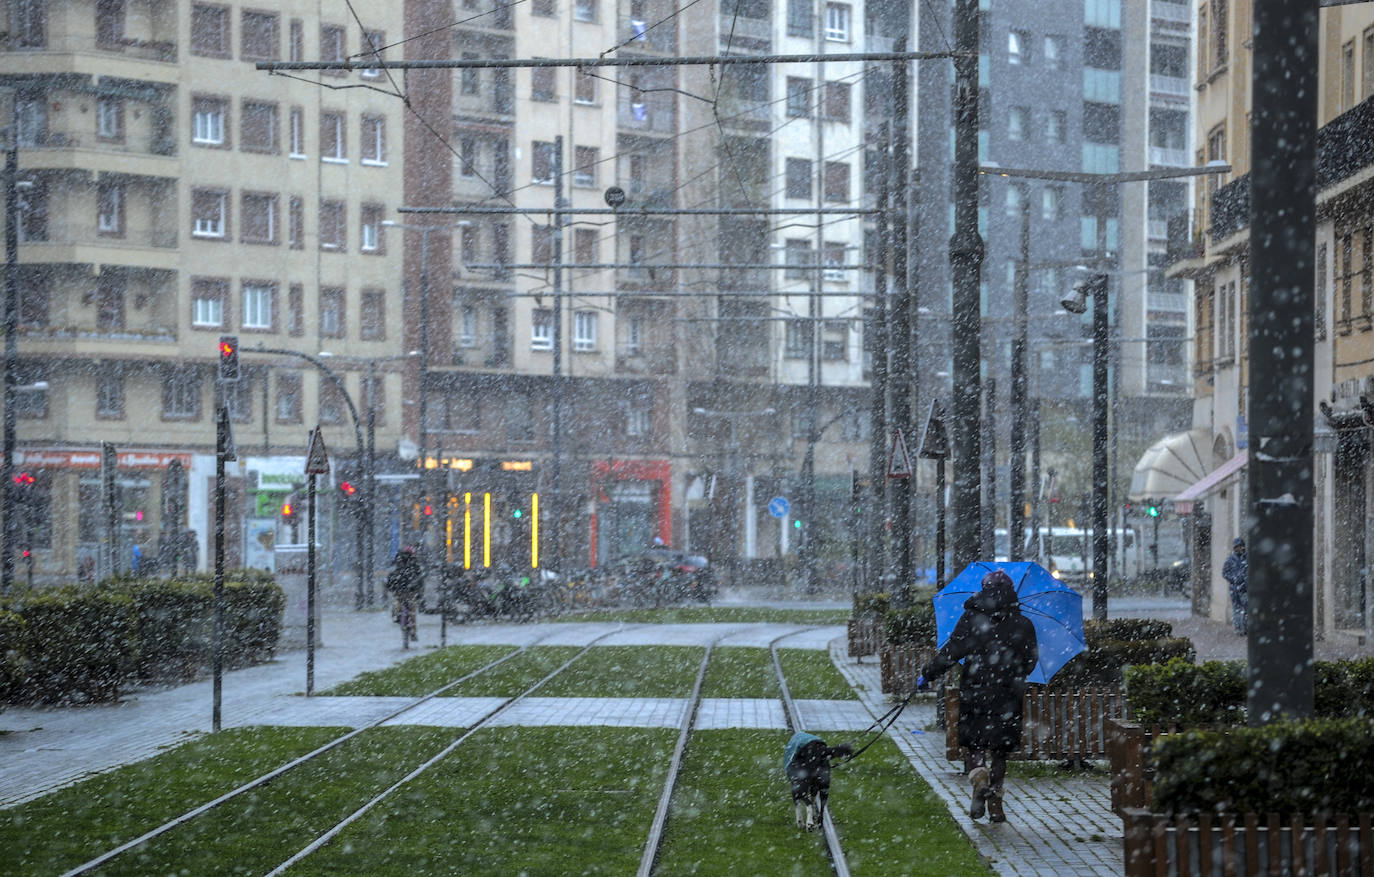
(1237, 542)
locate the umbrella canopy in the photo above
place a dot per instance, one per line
(1055, 609)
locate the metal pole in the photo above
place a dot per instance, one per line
(902, 381)
(966, 262)
(424, 396)
(1282, 246)
(878, 346)
(988, 518)
(555, 469)
(221, 449)
(11, 352)
(1100, 296)
(1016, 517)
(370, 488)
(310, 584)
(940, 523)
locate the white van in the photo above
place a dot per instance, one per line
(1067, 551)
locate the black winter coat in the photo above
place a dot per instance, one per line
(998, 646)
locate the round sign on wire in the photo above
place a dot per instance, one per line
(615, 196)
(778, 506)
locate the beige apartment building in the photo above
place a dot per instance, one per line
(1215, 257)
(171, 193)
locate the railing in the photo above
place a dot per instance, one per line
(645, 362)
(901, 665)
(1157, 844)
(740, 27)
(1158, 229)
(163, 51)
(1176, 86)
(65, 234)
(1164, 155)
(151, 145)
(1056, 723)
(1176, 12)
(654, 115)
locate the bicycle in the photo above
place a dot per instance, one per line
(405, 616)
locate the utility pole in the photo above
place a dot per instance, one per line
(1016, 518)
(966, 263)
(903, 374)
(11, 350)
(555, 473)
(1283, 188)
(876, 553)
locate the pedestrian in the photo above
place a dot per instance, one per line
(998, 647)
(406, 581)
(1235, 571)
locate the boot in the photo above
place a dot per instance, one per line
(995, 812)
(980, 778)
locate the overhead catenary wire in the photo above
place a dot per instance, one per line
(349, 65)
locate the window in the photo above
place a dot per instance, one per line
(289, 403)
(519, 418)
(798, 97)
(209, 211)
(585, 159)
(796, 342)
(467, 244)
(636, 249)
(584, 10)
(1218, 33)
(331, 402)
(373, 397)
(1016, 46)
(1368, 63)
(109, 219)
(837, 101)
(636, 419)
(832, 256)
(181, 394)
(1016, 123)
(208, 120)
(1054, 47)
(584, 87)
(297, 132)
(1016, 197)
(634, 335)
(543, 86)
(332, 145)
(258, 36)
(798, 173)
(296, 222)
(331, 313)
(837, 22)
(541, 329)
(542, 162)
(333, 47)
(109, 395)
(258, 218)
(469, 78)
(541, 244)
(373, 41)
(799, 18)
(109, 306)
(500, 248)
(1050, 199)
(207, 302)
(799, 257)
(835, 341)
(333, 225)
(258, 127)
(542, 7)
(209, 30)
(1348, 75)
(297, 47)
(584, 246)
(467, 326)
(1319, 321)
(28, 19)
(1055, 125)
(109, 118)
(837, 181)
(370, 222)
(584, 330)
(109, 24)
(295, 310)
(257, 305)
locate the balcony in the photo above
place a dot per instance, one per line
(1183, 242)
(643, 361)
(1171, 86)
(1175, 13)
(60, 242)
(738, 28)
(64, 53)
(1158, 229)
(1163, 156)
(651, 114)
(638, 37)
(1231, 208)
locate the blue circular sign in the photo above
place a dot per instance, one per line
(778, 506)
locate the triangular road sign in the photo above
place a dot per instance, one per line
(934, 441)
(898, 460)
(317, 461)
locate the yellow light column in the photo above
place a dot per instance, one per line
(534, 531)
(467, 531)
(486, 529)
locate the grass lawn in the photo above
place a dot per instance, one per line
(733, 815)
(811, 675)
(421, 675)
(709, 614)
(59, 831)
(629, 671)
(536, 801)
(743, 671)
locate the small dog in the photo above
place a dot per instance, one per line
(806, 761)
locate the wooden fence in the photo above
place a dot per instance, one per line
(1160, 845)
(865, 636)
(1132, 773)
(1056, 723)
(901, 665)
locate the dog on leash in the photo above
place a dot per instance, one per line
(806, 761)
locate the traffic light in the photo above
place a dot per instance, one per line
(228, 357)
(517, 513)
(1152, 511)
(796, 524)
(23, 479)
(348, 489)
(287, 510)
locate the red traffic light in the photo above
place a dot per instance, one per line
(226, 348)
(228, 358)
(23, 478)
(286, 510)
(429, 510)
(347, 488)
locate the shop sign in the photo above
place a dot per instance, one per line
(78, 459)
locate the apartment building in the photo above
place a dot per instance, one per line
(171, 193)
(1214, 254)
(649, 374)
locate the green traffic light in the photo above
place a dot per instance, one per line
(517, 513)
(796, 524)
(1152, 511)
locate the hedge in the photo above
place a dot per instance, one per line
(12, 660)
(914, 624)
(1183, 694)
(871, 603)
(1105, 661)
(1133, 629)
(1303, 767)
(1344, 689)
(174, 627)
(80, 644)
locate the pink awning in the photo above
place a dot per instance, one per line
(1183, 503)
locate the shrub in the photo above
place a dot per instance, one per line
(1286, 767)
(871, 603)
(1104, 661)
(174, 626)
(252, 619)
(1131, 629)
(1182, 694)
(1344, 689)
(12, 659)
(913, 625)
(80, 644)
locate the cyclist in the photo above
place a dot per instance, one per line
(405, 582)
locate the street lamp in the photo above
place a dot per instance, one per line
(368, 596)
(1097, 287)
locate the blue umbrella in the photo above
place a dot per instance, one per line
(1055, 609)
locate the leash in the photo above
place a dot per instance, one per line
(882, 723)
